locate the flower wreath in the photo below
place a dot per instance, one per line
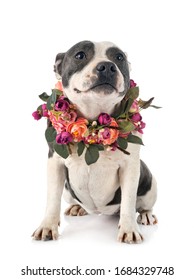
(66, 128)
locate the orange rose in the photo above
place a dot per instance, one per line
(78, 129)
(110, 136)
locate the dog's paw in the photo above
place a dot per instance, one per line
(147, 218)
(46, 231)
(129, 233)
(75, 210)
(129, 236)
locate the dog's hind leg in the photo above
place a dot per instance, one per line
(74, 209)
(147, 218)
(145, 204)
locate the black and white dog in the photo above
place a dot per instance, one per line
(95, 77)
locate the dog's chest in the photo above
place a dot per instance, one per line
(94, 185)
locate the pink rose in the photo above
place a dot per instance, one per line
(68, 117)
(134, 107)
(109, 135)
(58, 123)
(105, 133)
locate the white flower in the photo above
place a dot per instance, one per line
(109, 148)
(94, 123)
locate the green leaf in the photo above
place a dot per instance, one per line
(127, 101)
(57, 91)
(44, 96)
(120, 111)
(39, 108)
(50, 134)
(100, 147)
(61, 150)
(51, 100)
(124, 108)
(134, 139)
(92, 154)
(145, 104)
(128, 105)
(122, 142)
(155, 107)
(126, 126)
(80, 148)
(133, 93)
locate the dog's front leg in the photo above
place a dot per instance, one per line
(129, 177)
(48, 229)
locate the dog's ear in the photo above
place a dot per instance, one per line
(58, 64)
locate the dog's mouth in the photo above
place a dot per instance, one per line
(106, 88)
(103, 86)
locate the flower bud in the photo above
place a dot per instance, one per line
(104, 119)
(37, 116)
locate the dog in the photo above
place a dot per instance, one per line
(96, 77)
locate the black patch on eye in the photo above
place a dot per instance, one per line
(71, 63)
(80, 55)
(120, 59)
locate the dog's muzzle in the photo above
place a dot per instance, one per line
(106, 77)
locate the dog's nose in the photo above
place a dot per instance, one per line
(106, 67)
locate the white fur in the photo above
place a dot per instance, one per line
(55, 179)
(82, 81)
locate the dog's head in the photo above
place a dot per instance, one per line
(92, 71)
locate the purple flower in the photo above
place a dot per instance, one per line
(64, 138)
(136, 117)
(44, 106)
(37, 116)
(114, 146)
(61, 105)
(132, 83)
(140, 127)
(106, 133)
(44, 111)
(104, 119)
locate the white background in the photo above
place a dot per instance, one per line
(158, 37)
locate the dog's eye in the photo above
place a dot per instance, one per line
(80, 55)
(120, 56)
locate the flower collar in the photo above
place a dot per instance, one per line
(66, 128)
